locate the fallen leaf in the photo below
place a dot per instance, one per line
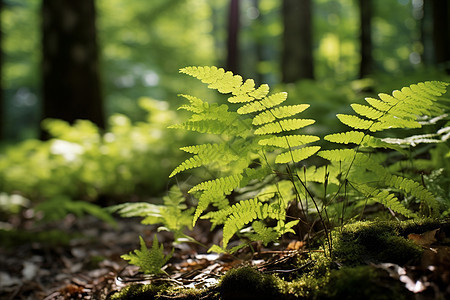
(425, 239)
(295, 245)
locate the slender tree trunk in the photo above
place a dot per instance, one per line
(441, 33)
(258, 43)
(70, 66)
(366, 65)
(2, 116)
(233, 33)
(297, 56)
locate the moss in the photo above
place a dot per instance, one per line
(247, 283)
(138, 292)
(345, 276)
(362, 282)
(363, 242)
(424, 225)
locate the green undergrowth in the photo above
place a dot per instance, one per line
(350, 274)
(10, 239)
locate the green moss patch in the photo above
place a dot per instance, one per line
(364, 242)
(138, 292)
(247, 283)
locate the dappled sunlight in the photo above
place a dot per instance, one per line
(229, 149)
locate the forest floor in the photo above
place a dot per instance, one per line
(88, 265)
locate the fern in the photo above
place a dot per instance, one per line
(399, 110)
(149, 261)
(58, 207)
(260, 129)
(172, 216)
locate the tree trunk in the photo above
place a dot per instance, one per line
(297, 56)
(441, 33)
(233, 33)
(70, 66)
(2, 117)
(366, 65)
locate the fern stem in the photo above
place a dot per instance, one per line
(327, 233)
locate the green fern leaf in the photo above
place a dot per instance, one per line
(283, 227)
(354, 137)
(283, 125)
(263, 233)
(338, 155)
(354, 121)
(278, 113)
(386, 199)
(228, 182)
(260, 92)
(196, 105)
(378, 104)
(266, 103)
(213, 190)
(224, 82)
(296, 155)
(149, 261)
(243, 213)
(367, 111)
(205, 155)
(288, 141)
(413, 188)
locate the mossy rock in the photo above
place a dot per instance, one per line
(138, 292)
(362, 242)
(247, 283)
(362, 282)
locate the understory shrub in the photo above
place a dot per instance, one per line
(81, 166)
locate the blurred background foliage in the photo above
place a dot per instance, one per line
(142, 45)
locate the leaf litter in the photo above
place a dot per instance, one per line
(90, 267)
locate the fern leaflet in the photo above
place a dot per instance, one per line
(149, 261)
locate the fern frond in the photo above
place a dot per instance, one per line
(399, 110)
(217, 217)
(359, 138)
(237, 128)
(196, 105)
(283, 227)
(243, 213)
(217, 78)
(288, 141)
(378, 104)
(213, 190)
(297, 155)
(204, 155)
(149, 261)
(367, 111)
(283, 125)
(219, 183)
(415, 189)
(353, 137)
(338, 155)
(386, 199)
(263, 233)
(136, 209)
(266, 103)
(354, 121)
(260, 92)
(278, 113)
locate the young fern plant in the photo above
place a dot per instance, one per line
(356, 166)
(251, 139)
